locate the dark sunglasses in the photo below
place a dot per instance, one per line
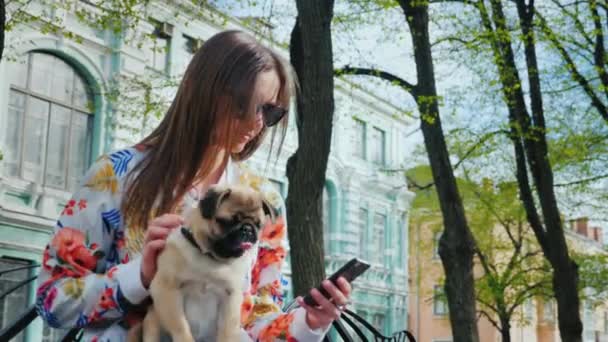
(271, 114)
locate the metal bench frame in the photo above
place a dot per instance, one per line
(348, 321)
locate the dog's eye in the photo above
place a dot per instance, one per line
(225, 223)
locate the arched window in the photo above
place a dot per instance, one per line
(49, 124)
(326, 219)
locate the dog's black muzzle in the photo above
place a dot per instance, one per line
(240, 238)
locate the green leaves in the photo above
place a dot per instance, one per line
(593, 277)
(513, 269)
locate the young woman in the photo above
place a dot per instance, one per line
(102, 256)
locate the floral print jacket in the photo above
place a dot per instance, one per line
(90, 276)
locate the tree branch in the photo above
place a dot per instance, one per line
(599, 50)
(490, 306)
(455, 39)
(525, 191)
(485, 202)
(487, 136)
(574, 72)
(417, 186)
(491, 319)
(577, 23)
(525, 294)
(396, 80)
(583, 181)
(483, 139)
(489, 268)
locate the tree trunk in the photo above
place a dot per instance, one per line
(2, 25)
(565, 275)
(528, 134)
(505, 329)
(456, 246)
(311, 56)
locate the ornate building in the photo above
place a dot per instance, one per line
(59, 111)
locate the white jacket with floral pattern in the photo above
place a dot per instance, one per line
(90, 277)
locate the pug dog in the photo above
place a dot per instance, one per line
(197, 291)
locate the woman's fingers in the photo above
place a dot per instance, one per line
(344, 286)
(161, 226)
(316, 316)
(149, 255)
(157, 233)
(338, 296)
(154, 242)
(167, 221)
(326, 306)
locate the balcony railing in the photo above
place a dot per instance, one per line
(349, 328)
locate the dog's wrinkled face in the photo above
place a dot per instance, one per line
(233, 218)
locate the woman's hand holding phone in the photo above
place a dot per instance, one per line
(326, 310)
(325, 303)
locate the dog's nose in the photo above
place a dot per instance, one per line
(248, 229)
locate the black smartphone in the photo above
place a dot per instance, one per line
(350, 271)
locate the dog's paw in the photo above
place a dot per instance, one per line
(229, 336)
(184, 338)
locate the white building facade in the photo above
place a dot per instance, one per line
(59, 111)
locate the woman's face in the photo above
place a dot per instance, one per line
(267, 86)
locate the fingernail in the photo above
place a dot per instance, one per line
(326, 282)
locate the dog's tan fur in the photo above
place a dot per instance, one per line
(184, 272)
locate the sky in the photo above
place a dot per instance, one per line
(380, 39)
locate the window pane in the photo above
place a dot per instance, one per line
(359, 142)
(62, 81)
(379, 322)
(436, 239)
(156, 53)
(161, 54)
(377, 146)
(12, 133)
(35, 135)
(42, 73)
(81, 95)
(440, 305)
(378, 238)
(528, 309)
(190, 48)
(57, 147)
(17, 72)
(80, 147)
(15, 304)
(39, 132)
(362, 232)
(548, 312)
(400, 256)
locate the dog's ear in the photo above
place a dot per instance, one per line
(212, 200)
(269, 210)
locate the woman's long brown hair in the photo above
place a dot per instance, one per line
(216, 91)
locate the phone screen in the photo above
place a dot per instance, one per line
(350, 271)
